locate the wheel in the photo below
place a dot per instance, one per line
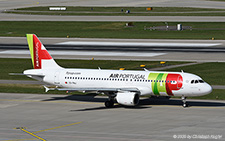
(185, 105)
(109, 104)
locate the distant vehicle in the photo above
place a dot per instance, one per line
(123, 86)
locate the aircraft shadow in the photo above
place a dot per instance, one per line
(144, 103)
(85, 98)
(178, 102)
(91, 98)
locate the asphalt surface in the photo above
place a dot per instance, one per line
(119, 48)
(84, 118)
(11, 4)
(151, 53)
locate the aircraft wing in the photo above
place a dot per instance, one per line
(93, 89)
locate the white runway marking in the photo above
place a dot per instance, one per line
(139, 44)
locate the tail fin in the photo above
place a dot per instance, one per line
(41, 59)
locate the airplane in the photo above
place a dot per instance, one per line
(122, 86)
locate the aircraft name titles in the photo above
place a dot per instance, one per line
(125, 76)
(73, 73)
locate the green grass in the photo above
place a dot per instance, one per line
(215, 95)
(213, 73)
(116, 11)
(203, 30)
(19, 65)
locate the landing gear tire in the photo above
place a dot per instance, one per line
(109, 104)
(185, 105)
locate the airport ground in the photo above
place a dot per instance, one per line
(60, 117)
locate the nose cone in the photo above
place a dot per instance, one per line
(207, 89)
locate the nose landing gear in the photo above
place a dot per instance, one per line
(185, 105)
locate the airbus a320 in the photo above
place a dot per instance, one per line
(123, 86)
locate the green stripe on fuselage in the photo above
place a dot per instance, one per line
(157, 84)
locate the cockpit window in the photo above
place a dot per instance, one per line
(197, 81)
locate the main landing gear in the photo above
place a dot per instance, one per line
(184, 101)
(109, 103)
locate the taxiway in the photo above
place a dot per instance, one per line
(84, 118)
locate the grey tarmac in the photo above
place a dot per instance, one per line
(84, 118)
(11, 4)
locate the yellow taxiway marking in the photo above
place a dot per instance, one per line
(58, 127)
(32, 134)
(37, 137)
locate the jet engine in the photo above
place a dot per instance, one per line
(127, 98)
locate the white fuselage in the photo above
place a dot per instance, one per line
(147, 82)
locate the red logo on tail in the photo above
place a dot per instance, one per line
(39, 53)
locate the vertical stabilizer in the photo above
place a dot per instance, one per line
(41, 59)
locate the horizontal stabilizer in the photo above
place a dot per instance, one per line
(16, 74)
(39, 75)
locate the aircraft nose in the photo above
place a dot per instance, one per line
(207, 89)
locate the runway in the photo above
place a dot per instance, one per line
(84, 118)
(11, 4)
(151, 50)
(140, 47)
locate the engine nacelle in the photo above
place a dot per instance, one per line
(127, 98)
